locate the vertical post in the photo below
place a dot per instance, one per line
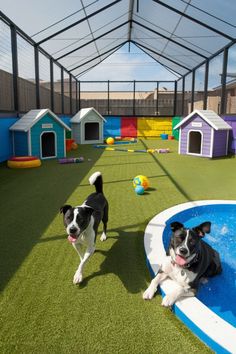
(76, 95)
(157, 99)
(206, 85)
(175, 99)
(193, 90)
(183, 97)
(223, 82)
(52, 84)
(108, 97)
(36, 64)
(70, 92)
(14, 67)
(134, 99)
(62, 91)
(79, 94)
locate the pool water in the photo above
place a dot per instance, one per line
(219, 293)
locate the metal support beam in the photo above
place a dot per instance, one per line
(85, 71)
(203, 24)
(76, 95)
(161, 55)
(79, 94)
(131, 11)
(94, 39)
(157, 99)
(206, 84)
(183, 96)
(193, 87)
(70, 92)
(62, 92)
(108, 97)
(134, 98)
(175, 99)
(169, 39)
(37, 87)
(14, 67)
(98, 56)
(78, 22)
(223, 82)
(52, 84)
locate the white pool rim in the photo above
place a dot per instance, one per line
(208, 326)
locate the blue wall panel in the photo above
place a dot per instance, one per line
(112, 127)
(6, 147)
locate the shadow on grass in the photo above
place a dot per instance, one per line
(126, 259)
(180, 189)
(30, 200)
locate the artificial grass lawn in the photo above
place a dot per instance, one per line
(41, 310)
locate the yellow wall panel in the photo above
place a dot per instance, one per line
(154, 126)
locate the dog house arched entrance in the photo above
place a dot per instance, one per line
(48, 144)
(91, 131)
(195, 142)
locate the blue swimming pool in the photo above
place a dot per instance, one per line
(219, 294)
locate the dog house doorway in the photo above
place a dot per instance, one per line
(48, 145)
(195, 142)
(91, 131)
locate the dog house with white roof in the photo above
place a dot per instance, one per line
(40, 133)
(87, 126)
(203, 133)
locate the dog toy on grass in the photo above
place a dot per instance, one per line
(110, 141)
(142, 181)
(71, 160)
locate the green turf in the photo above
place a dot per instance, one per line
(41, 310)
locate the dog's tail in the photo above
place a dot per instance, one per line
(96, 180)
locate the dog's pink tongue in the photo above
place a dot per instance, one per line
(71, 239)
(180, 260)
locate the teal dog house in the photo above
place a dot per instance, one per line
(39, 133)
(87, 126)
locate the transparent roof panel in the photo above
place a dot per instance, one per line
(178, 34)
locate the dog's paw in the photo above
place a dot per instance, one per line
(103, 237)
(149, 293)
(78, 278)
(168, 301)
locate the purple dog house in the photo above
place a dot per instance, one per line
(203, 133)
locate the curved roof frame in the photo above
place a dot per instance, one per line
(163, 42)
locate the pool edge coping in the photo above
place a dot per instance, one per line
(209, 327)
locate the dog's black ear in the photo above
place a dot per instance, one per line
(176, 226)
(64, 208)
(202, 229)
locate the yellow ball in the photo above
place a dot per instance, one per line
(110, 141)
(141, 180)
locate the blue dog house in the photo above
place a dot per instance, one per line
(39, 133)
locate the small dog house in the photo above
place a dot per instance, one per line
(203, 133)
(87, 126)
(40, 133)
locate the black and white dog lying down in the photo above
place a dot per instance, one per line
(189, 260)
(82, 223)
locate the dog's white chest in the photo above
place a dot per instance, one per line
(182, 276)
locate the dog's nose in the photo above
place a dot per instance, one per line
(183, 250)
(72, 230)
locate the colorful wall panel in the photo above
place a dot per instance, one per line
(175, 121)
(112, 127)
(153, 127)
(6, 149)
(129, 127)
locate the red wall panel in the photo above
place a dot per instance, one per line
(128, 127)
